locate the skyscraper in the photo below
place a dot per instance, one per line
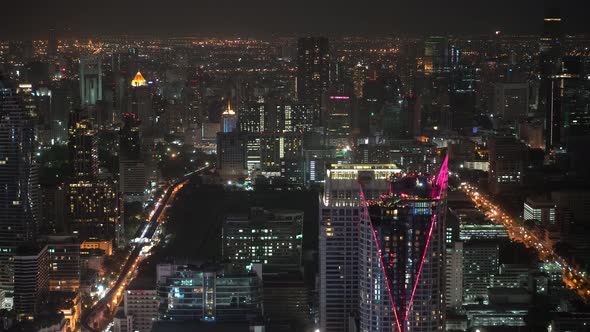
(338, 112)
(313, 72)
(31, 280)
(90, 80)
(19, 189)
(436, 55)
(229, 119)
(92, 203)
(340, 211)
(260, 236)
(52, 44)
(507, 163)
(551, 52)
(401, 249)
(140, 102)
(231, 155)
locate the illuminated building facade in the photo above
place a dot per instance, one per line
(82, 146)
(251, 117)
(275, 116)
(90, 79)
(338, 115)
(64, 263)
(436, 55)
(92, 209)
(313, 72)
(141, 103)
(229, 119)
(19, 196)
(191, 293)
(542, 211)
(401, 256)
(454, 275)
(91, 203)
(340, 213)
(277, 147)
(480, 266)
(31, 280)
(132, 170)
(507, 158)
(142, 306)
(273, 239)
(231, 155)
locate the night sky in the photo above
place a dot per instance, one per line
(260, 17)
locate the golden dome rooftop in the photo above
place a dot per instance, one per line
(138, 80)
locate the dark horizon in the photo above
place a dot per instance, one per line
(264, 18)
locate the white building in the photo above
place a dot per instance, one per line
(541, 210)
(340, 211)
(142, 305)
(454, 275)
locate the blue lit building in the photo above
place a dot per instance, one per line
(188, 292)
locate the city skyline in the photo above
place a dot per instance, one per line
(295, 166)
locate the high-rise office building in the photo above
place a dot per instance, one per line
(480, 266)
(132, 180)
(64, 263)
(140, 103)
(92, 203)
(52, 44)
(92, 209)
(141, 304)
(338, 112)
(340, 211)
(132, 170)
(507, 162)
(401, 256)
(61, 106)
(540, 210)
(189, 292)
(20, 193)
(19, 198)
(313, 72)
(298, 117)
(276, 147)
(231, 155)
(129, 138)
(31, 280)
(251, 117)
(436, 55)
(229, 119)
(273, 239)
(454, 275)
(90, 80)
(511, 100)
(279, 116)
(82, 146)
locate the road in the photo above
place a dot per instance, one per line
(101, 314)
(572, 277)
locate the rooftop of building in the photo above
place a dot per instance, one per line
(29, 249)
(60, 239)
(259, 214)
(407, 187)
(363, 167)
(138, 80)
(191, 326)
